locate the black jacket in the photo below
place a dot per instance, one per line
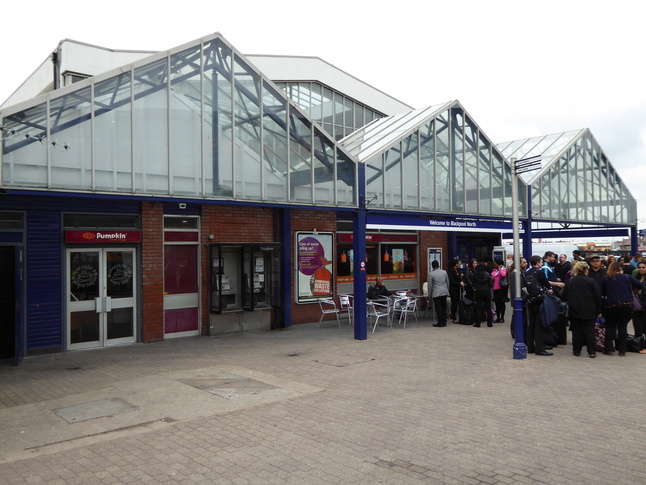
(583, 296)
(562, 269)
(454, 279)
(598, 276)
(482, 282)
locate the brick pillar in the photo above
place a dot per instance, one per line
(152, 269)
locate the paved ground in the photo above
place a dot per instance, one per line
(314, 406)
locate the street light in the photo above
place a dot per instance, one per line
(518, 167)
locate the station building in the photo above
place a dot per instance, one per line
(199, 191)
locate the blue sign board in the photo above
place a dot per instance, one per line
(377, 221)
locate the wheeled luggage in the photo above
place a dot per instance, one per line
(600, 333)
(466, 310)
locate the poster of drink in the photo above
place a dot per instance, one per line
(314, 266)
(398, 260)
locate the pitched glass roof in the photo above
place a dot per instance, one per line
(198, 120)
(434, 159)
(380, 134)
(577, 183)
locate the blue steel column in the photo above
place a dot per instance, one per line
(359, 249)
(284, 221)
(634, 240)
(520, 348)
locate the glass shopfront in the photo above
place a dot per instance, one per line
(393, 256)
(244, 277)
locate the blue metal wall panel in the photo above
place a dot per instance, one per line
(68, 204)
(45, 258)
(44, 268)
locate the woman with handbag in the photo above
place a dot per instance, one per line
(584, 305)
(500, 287)
(618, 290)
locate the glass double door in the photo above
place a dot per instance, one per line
(102, 297)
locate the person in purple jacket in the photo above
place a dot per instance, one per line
(618, 290)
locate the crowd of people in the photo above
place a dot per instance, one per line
(597, 294)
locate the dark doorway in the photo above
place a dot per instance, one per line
(7, 302)
(476, 246)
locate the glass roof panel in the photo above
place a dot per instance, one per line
(576, 177)
(380, 134)
(204, 123)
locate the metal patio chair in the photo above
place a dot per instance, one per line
(429, 301)
(346, 306)
(328, 307)
(409, 308)
(377, 310)
(397, 306)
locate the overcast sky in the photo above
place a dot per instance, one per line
(520, 69)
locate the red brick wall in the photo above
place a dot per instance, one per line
(303, 221)
(230, 224)
(152, 277)
(244, 225)
(431, 239)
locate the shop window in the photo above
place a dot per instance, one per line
(174, 222)
(244, 277)
(397, 259)
(380, 259)
(11, 221)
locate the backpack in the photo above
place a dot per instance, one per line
(535, 290)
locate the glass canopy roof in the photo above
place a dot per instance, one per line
(577, 183)
(437, 160)
(197, 121)
(200, 121)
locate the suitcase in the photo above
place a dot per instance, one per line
(600, 333)
(466, 312)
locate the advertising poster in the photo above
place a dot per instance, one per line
(314, 266)
(434, 254)
(398, 260)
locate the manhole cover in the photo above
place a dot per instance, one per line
(230, 386)
(95, 409)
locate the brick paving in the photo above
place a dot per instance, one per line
(410, 406)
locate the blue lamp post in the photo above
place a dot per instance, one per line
(518, 167)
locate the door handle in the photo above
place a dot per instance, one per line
(108, 304)
(98, 304)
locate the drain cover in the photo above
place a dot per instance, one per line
(95, 409)
(230, 386)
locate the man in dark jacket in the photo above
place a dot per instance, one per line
(562, 267)
(455, 287)
(535, 332)
(379, 290)
(596, 272)
(585, 305)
